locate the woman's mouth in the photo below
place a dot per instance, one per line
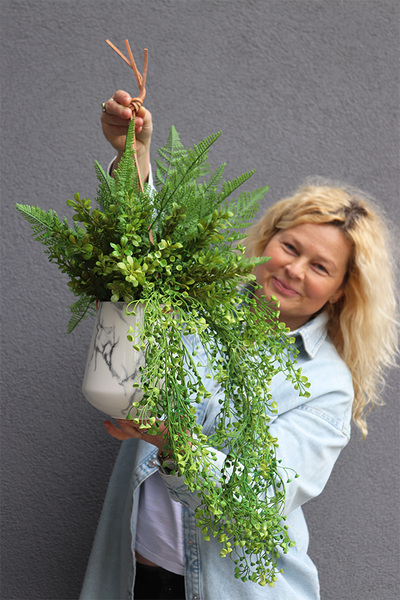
(283, 288)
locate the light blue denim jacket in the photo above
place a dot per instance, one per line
(311, 433)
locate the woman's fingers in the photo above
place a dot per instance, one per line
(122, 432)
(122, 97)
(115, 120)
(125, 430)
(115, 109)
(115, 432)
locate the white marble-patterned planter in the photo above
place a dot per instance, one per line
(113, 364)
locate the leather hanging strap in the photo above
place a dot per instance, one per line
(136, 103)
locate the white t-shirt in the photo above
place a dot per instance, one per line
(159, 535)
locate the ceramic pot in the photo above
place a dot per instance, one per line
(113, 364)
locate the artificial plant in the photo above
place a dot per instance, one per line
(175, 248)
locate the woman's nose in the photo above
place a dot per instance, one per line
(296, 268)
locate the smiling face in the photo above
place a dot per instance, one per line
(307, 269)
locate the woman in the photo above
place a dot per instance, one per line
(328, 261)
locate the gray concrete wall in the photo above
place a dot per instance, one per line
(299, 87)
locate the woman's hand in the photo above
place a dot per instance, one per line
(128, 429)
(115, 122)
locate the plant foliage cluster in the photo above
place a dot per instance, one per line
(176, 249)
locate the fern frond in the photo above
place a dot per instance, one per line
(106, 190)
(230, 186)
(80, 309)
(126, 173)
(43, 223)
(170, 155)
(187, 166)
(245, 207)
(196, 165)
(208, 190)
(214, 180)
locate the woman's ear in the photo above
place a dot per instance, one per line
(336, 296)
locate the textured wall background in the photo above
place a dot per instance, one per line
(298, 87)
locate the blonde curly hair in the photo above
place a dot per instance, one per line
(362, 324)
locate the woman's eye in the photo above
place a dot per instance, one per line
(289, 247)
(320, 268)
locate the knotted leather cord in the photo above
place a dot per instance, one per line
(136, 103)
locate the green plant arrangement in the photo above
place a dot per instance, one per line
(175, 249)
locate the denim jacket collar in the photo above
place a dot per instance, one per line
(313, 334)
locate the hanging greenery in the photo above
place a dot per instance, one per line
(176, 250)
